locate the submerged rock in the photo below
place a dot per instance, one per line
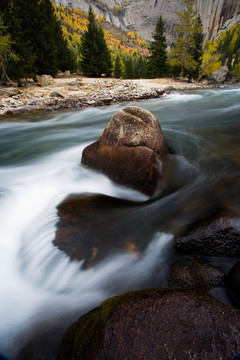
(155, 324)
(217, 237)
(233, 284)
(193, 274)
(93, 226)
(131, 150)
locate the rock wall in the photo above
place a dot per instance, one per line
(216, 13)
(142, 15)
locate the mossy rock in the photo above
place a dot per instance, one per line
(155, 324)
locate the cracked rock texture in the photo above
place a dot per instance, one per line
(131, 150)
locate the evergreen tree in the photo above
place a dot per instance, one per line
(186, 56)
(95, 55)
(23, 29)
(129, 68)
(6, 52)
(53, 53)
(140, 67)
(197, 50)
(38, 38)
(118, 67)
(157, 62)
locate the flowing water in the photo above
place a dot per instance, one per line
(42, 291)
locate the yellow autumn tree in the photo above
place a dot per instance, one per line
(211, 58)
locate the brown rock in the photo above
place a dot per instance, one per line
(155, 324)
(131, 150)
(44, 80)
(94, 226)
(192, 274)
(8, 92)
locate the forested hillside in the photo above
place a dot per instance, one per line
(42, 37)
(35, 39)
(74, 23)
(223, 51)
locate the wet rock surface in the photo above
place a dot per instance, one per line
(194, 274)
(155, 324)
(219, 236)
(108, 224)
(233, 284)
(131, 150)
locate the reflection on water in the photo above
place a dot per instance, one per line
(43, 291)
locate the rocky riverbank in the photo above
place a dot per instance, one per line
(74, 93)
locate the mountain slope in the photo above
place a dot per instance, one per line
(142, 15)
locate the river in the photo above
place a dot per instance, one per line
(42, 291)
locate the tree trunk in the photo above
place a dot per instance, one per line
(4, 72)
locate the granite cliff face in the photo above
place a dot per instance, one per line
(142, 15)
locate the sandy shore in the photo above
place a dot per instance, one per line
(78, 92)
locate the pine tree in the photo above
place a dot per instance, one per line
(129, 67)
(186, 56)
(140, 67)
(23, 29)
(157, 62)
(197, 50)
(118, 67)
(52, 49)
(95, 55)
(6, 52)
(38, 38)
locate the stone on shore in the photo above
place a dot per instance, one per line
(8, 92)
(155, 324)
(220, 76)
(131, 150)
(57, 94)
(44, 80)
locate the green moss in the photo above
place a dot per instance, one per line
(85, 337)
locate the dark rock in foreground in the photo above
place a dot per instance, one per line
(216, 237)
(155, 324)
(233, 284)
(192, 274)
(131, 150)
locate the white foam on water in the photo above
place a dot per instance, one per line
(35, 274)
(176, 96)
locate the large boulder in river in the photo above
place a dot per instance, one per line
(219, 236)
(131, 150)
(155, 324)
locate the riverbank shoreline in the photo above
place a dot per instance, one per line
(76, 93)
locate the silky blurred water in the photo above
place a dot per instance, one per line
(40, 165)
